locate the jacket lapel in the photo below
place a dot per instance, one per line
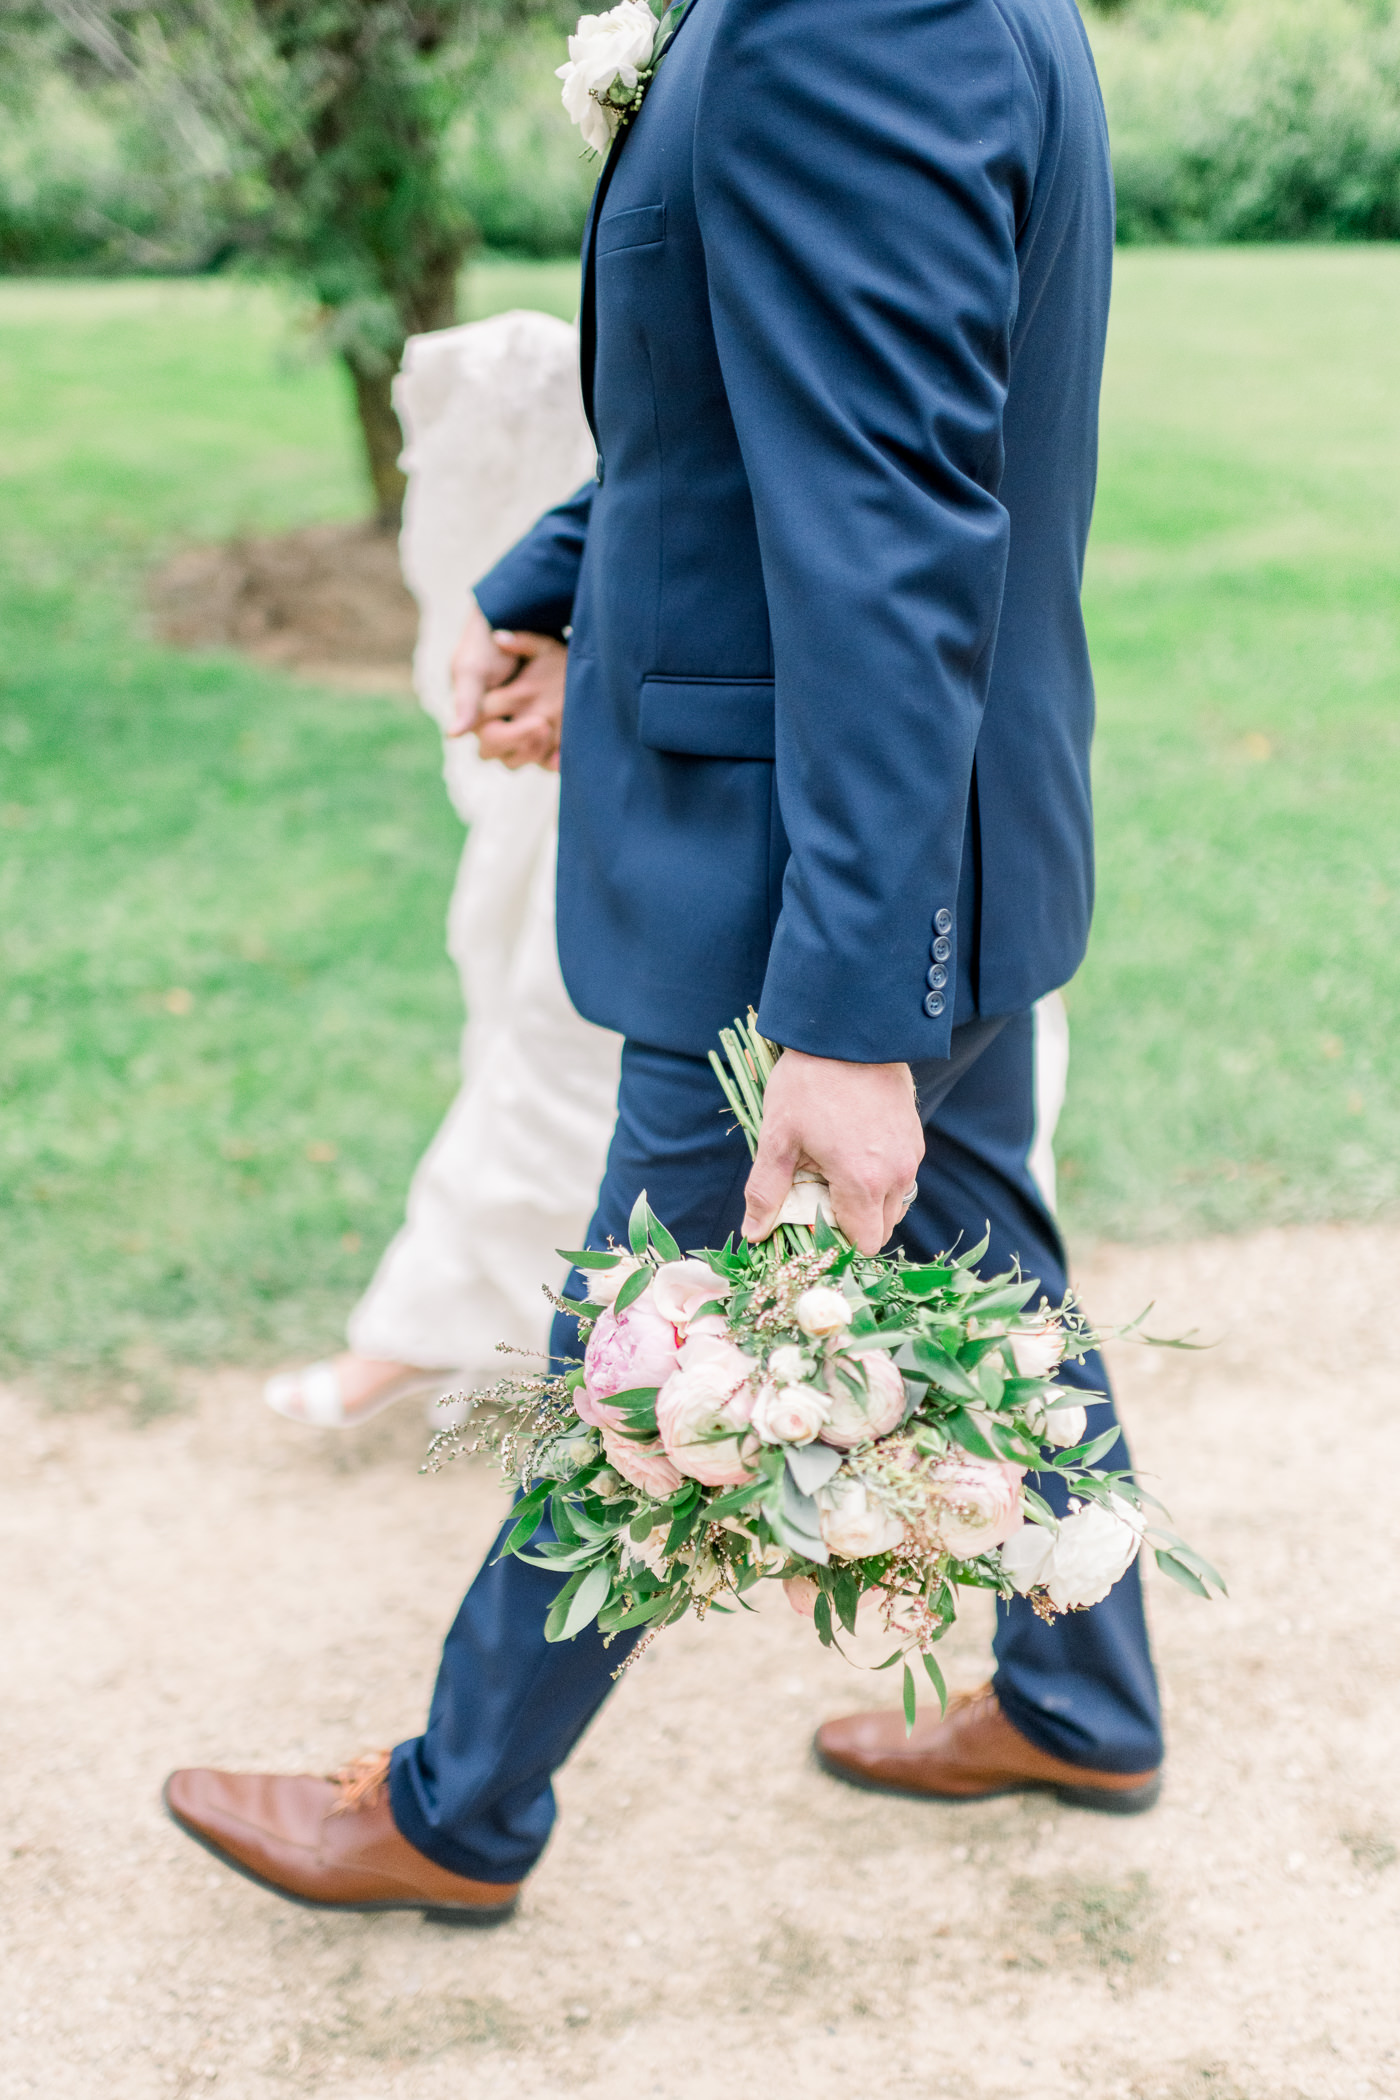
(588, 318)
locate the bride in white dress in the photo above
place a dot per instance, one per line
(495, 435)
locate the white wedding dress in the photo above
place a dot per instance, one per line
(495, 434)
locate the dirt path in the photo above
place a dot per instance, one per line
(715, 1917)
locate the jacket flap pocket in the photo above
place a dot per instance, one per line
(631, 229)
(708, 717)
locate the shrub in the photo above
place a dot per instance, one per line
(1262, 120)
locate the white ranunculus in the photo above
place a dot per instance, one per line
(604, 1284)
(605, 49)
(788, 1365)
(1037, 1355)
(822, 1310)
(855, 1523)
(876, 1411)
(789, 1414)
(1078, 1564)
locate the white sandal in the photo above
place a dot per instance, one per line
(313, 1395)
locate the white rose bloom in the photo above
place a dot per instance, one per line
(822, 1310)
(788, 1365)
(1064, 1427)
(789, 1414)
(1079, 1563)
(1037, 1355)
(605, 48)
(855, 1523)
(604, 1284)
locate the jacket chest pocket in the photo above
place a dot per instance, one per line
(641, 227)
(708, 717)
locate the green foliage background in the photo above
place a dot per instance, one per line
(1231, 120)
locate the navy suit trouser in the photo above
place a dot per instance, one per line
(474, 1791)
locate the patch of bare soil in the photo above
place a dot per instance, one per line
(327, 602)
(716, 1920)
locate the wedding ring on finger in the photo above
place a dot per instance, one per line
(907, 1200)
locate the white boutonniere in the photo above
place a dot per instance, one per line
(612, 61)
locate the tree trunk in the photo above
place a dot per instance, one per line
(379, 427)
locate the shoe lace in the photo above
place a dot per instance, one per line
(359, 1782)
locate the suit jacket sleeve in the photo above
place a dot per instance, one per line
(860, 176)
(532, 587)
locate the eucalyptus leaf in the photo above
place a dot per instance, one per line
(811, 1466)
(587, 1601)
(911, 1701)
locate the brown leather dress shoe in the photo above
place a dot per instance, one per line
(330, 1843)
(969, 1754)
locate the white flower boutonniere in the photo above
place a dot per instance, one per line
(612, 60)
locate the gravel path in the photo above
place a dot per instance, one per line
(714, 1916)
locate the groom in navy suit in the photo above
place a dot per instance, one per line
(825, 751)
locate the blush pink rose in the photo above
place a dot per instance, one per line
(626, 1350)
(976, 1503)
(708, 1393)
(853, 1421)
(645, 1465)
(680, 1288)
(802, 1594)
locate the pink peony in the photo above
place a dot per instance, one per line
(976, 1503)
(802, 1594)
(709, 1392)
(626, 1350)
(854, 1421)
(645, 1465)
(680, 1288)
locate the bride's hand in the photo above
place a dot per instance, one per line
(508, 689)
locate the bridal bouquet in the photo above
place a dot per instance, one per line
(854, 1426)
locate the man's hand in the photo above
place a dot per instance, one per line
(857, 1125)
(508, 690)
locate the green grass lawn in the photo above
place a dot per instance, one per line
(228, 1026)
(1235, 1024)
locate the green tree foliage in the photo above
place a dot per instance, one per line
(1253, 120)
(320, 134)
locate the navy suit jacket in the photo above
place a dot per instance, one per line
(829, 705)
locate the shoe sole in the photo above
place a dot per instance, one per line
(1105, 1801)
(434, 1914)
